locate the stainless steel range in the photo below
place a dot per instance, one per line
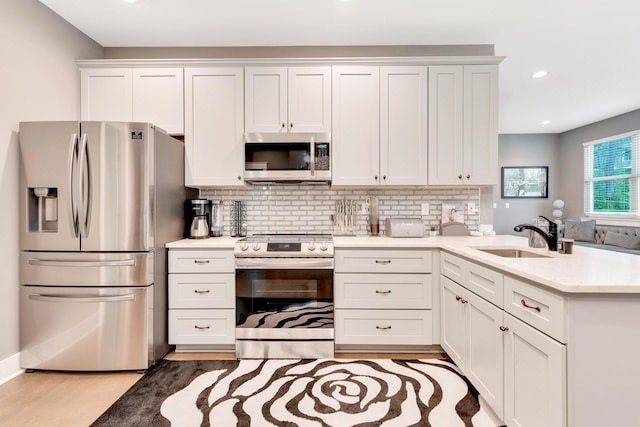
(284, 296)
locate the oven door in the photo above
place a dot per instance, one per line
(284, 313)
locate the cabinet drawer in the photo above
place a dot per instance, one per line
(202, 290)
(399, 327)
(202, 326)
(537, 307)
(452, 267)
(487, 283)
(357, 290)
(383, 261)
(201, 261)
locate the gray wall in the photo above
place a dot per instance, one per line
(39, 81)
(571, 153)
(527, 150)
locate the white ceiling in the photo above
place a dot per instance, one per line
(591, 48)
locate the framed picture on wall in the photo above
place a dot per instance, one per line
(529, 182)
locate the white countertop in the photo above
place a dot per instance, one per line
(587, 270)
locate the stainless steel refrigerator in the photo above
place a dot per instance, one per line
(98, 202)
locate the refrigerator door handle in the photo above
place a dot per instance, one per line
(54, 298)
(73, 212)
(67, 263)
(84, 216)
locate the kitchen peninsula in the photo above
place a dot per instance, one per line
(535, 335)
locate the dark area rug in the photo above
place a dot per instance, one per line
(326, 392)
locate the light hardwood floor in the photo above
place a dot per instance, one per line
(76, 399)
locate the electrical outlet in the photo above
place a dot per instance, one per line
(424, 209)
(471, 208)
(506, 205)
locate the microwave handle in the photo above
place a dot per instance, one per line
(312, 145)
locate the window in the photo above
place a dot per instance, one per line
(612, 176)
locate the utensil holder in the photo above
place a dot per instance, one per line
(238, 220)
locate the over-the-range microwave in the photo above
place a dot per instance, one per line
(287, 157)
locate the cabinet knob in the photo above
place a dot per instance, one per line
(384, 177)
(468, 176)
(291, 125)
(375, 177)
(504, 328)
(239, 177)
(459, 176)
(284, 126)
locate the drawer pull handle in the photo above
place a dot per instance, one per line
(201, 292)
(463, 301)
(536, 308)
(202, 327)
(504, 328)
(384, 292)
(383, 261)
(383, 327)
(201, 261)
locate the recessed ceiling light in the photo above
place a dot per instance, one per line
(130, 1)
(539, 74)
(545, 122)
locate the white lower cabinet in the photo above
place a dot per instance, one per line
(534, 377)
(472, 337)
(383, 298)
(517, 368)
(201, 299)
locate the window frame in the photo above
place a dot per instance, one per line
(633, 214)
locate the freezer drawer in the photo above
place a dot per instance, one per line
(85, 329)
(86, 269)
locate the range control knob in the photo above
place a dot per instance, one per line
(323, 246)
(256, 247)
(311, 247)
(244, 246)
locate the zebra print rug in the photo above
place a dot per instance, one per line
(304, 393)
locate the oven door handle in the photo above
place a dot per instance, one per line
(284, 263)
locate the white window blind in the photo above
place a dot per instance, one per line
(611, 176)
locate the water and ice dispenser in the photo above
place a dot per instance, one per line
(42, 209)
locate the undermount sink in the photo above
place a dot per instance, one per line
(513, 253)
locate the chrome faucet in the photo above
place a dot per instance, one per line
(551, 238)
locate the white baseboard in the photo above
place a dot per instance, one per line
(10, 368)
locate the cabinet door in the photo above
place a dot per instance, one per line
(403, 125)
(213, 126)
(265, 99)
(158, 98)
(356, 125)
(535, 377)
(445, 124)
(454, 321)
(481, 125)
(106, 94)
(485, 361)
(309, 99)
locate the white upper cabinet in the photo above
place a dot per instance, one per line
(288, 99)
(355, 139)
(106, 94)
(379, 125)
(463, 125)
(214, 153)
(403, 125)
(153, 95)
(158, 98)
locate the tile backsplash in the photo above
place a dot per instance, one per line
(308, 208)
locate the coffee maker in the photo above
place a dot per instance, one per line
(197, 218)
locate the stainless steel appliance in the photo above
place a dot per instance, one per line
(284, 296)
(98, 202)
(200, 219)
(287, 157)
